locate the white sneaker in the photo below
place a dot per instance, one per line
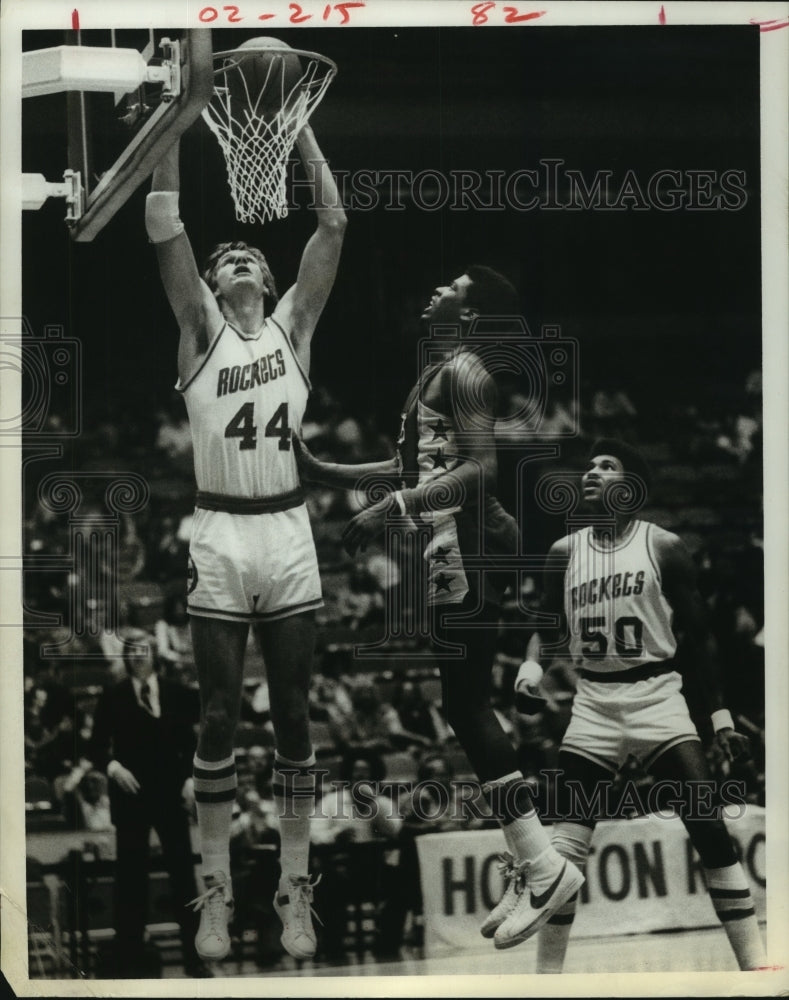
(294, 908)
(515, 882)
(533, 907)
(215, 906)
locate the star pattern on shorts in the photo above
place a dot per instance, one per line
(440, 555)
(439, 459)
(439, 430)
(443, 581)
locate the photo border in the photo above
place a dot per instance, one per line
(17, 15)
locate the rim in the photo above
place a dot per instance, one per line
(241, 52)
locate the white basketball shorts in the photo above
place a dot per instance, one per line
(644, 718)
(252, 567)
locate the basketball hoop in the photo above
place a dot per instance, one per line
(258, 107)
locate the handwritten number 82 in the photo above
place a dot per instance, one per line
(479, 13)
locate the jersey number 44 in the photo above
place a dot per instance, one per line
(243, 427)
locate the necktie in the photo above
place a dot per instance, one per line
(145, 698)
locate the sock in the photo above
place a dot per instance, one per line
(510, 801)
(215, 792)
(294, 792)
(572, 841)
(731, 897)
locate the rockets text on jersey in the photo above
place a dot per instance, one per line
(244, 403)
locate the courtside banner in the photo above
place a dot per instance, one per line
(643, 875)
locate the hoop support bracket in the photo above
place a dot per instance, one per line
(36, 189)
(94, 68)
(169, 73)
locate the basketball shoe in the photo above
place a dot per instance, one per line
(293, 906)
(546, 892)
(515, 881)
(215, 906)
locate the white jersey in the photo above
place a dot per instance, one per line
(244, 401)
(617, 614)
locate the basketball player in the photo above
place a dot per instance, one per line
(446, 449)
(243, 364)
(619, 588)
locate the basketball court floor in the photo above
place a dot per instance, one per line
(677, 951)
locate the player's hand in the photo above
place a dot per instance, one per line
(126, 780)
(733, 745)
(529, 698)
(366, 526)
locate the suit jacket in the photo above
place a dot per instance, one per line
(158, 752)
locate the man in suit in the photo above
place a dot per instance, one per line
(144, 739)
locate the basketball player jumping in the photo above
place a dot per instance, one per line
(619, 587)
(243, 364)
(447, 449)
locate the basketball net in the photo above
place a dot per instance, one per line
(257, 143)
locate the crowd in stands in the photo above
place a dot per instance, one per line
(378, 724)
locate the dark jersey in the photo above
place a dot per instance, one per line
(429, 446)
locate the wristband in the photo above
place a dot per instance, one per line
(162, 222)
(722, 719)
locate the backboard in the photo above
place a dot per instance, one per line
(125, 95)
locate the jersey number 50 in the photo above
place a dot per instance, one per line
(243, 427)
(628, 637)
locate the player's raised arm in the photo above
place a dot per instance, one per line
(194, 306)
(300, 308)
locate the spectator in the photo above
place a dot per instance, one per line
(370, 725)
(743, 428)
(173, 639)
(361, 603)
(419, 716)
(435, 805)
(174, 440)
(85, 798)
(350, 815)
(256, 708)
(169, 552)
(254, 842)
(131, 551)
(738, 436)
(54, 731)
(144, 740)
(339, 818)
(260, 773)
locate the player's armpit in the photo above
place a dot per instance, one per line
(315, 280)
